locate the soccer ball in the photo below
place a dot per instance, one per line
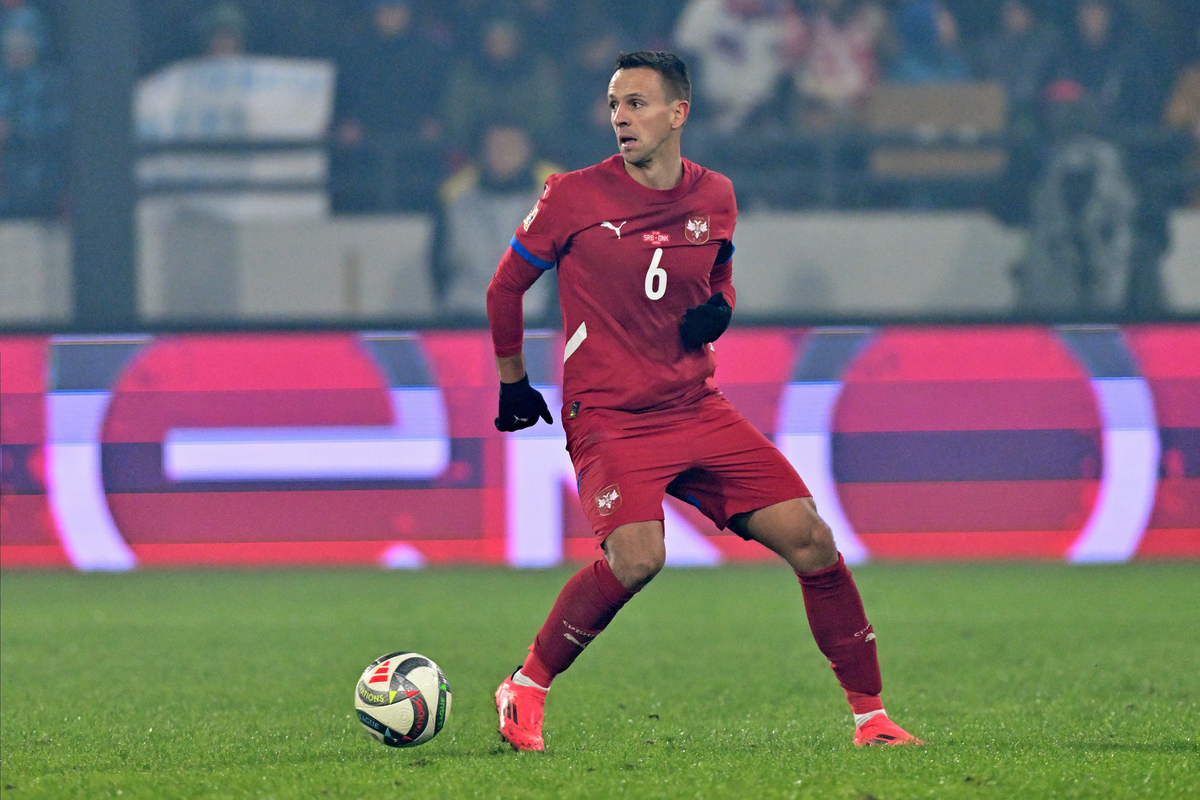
(402, 699)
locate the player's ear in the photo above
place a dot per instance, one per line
(682, 109)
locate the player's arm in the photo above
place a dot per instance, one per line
(705, 323)
(511, 368)
(520, 404)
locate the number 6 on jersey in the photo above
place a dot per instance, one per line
(656, 278)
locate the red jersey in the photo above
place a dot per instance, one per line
(631, 260)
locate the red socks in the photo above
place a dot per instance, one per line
(593, 596)
(839, 624)
(585, 606)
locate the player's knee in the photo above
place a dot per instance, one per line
(812, 545)
(635, 569)
(641, 569)
(821, 539)
(636, 553)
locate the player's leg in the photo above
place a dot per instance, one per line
(795, 531)
(636, 552)
(747, 484)
(633, 555)
(624, 463)
(792, 529)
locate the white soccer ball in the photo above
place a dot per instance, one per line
(402, 699)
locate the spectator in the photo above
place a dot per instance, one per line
(502, 75)
(552, 26)
(222, 29)
(484, 202)
(1183, 113)
(927, 45)
(840, 64)
(33, 119)
(1083, 232)
(1020, 56)
(387, 143)
(743, 51)
(456, 23)
(589, 63)
(1103, 75)
(1099, 228)
(1183, 107)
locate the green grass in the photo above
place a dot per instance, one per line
(1029, 681)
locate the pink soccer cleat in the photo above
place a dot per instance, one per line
(881, 730)
(520, 709)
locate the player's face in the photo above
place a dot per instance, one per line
(642, 116)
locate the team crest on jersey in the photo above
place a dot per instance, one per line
(608, 500)
(656, 237)
(696, 229)
(529, 218)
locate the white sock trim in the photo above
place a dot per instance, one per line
(521, 679)
(859, 719)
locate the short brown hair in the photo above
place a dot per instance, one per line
(670, 67)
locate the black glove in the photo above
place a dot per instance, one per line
(703, 324)
(520, 406)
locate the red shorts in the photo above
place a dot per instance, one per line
(704, 453)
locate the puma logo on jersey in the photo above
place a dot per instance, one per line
(614, 228)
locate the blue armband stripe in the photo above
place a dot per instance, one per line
(528, 256)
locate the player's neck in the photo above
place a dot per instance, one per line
(660, 173)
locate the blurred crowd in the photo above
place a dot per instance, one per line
(33, 116)
(460, 108)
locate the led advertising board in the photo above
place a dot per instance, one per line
(918, 442)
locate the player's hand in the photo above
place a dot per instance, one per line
(703, 324)
(520, 406)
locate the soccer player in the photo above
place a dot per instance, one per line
(643, 246)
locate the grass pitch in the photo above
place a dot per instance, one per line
(1028, 681)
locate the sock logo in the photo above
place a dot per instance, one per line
(577, 636)
(866, 634)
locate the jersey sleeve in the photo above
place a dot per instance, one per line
(506, 315)
(544, 234)
(721, 277)
(534, 248)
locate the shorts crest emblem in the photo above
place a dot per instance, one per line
(608, 500)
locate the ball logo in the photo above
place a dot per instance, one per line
(372, 697)
(608, 500)
(696, 229)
